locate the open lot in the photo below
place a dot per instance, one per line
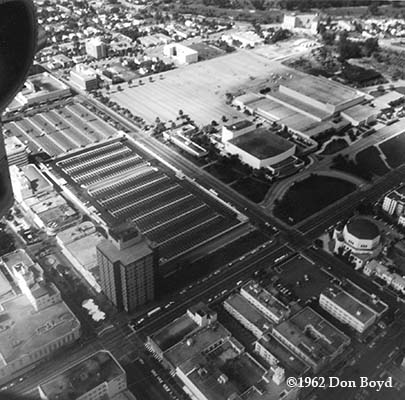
(309, 196)
(294, 271)
(199, 89)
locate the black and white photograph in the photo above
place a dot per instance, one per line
(202, 199)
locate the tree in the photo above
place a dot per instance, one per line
(181, 112)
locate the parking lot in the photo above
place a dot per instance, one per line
(302, 278)
(169, 211)
(60, 130)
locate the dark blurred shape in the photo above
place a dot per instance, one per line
(18, 44)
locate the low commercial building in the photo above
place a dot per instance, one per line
(17, 153)
(394, 201)
(29, 277)
(301, 23)
(393, 279)
(360, 114)
(84, 77)
(243, 39)
(42, 88)
(308, 105)
(201, 352)
(260, 148)
(265, 302)
(37, 197)
(178, 137)
(278, 355)
(97, 377)
(196, 317)
(313, 339)
(79, 245)
(243, 311)
(33, 324)
(180, 53)
(353, 306)
(236, 129)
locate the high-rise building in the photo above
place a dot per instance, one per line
(127, 263)
(96, 48)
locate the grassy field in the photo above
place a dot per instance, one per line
(225, 174)
(199, 89)
(252, 189)
(310, 196)
(334, 146)
(370, 159)
(394, 150)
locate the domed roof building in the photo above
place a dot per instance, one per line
(360, 237)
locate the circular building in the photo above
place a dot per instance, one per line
(361, 234)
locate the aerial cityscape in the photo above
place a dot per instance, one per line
(202, 200)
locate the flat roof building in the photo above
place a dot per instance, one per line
(321, 93)
(250, 317)
(265, 302)
(127, 268)
(235, 129)
(181, 53)
(97, 377)
(356, 308)
(33, 324)
(212, 364)
(278, 355)
(16, 151)
(79, 245)
(84, 77)
(311, 338)
(260, 148)
(42, 88)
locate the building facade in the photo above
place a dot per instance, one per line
(127, 268)
(96, 48)
(358, 312)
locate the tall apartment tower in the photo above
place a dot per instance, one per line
(127, 263)
(96, 48)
